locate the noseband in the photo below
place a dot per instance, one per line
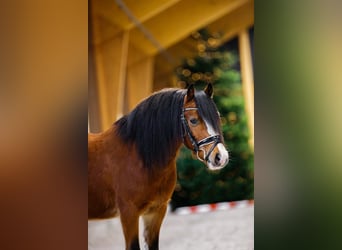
(212, 139)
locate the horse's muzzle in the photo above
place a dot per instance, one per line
(219, 158)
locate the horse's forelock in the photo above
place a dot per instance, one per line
(208, 110)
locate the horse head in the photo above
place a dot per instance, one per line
(202, 128)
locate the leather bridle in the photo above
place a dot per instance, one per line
(212, 139)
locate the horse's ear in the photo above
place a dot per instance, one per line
(209, 90)
(190, 93)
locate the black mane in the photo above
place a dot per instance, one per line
(155, 127)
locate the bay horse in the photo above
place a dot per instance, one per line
(132, 165)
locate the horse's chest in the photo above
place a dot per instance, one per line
(164, 186)
(159, 195)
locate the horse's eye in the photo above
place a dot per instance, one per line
(194, 121)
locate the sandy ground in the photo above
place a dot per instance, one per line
(221, 230)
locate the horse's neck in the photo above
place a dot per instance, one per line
(106, 139)
(113, 141)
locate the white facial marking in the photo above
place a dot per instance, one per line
(222, 151)
(210, 129)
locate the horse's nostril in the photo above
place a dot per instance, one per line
(217, 158)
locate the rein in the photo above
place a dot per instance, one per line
(212, 139)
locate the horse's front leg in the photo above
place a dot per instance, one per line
(130, 226)
(152, 222)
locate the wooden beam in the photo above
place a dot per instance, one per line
(94, 123)
(147, 10)
(122, 75)
(180, 20)
(139, 81)
(230, 25)
(110, 61)
(104, 32)
(142, 10)
(247, 80)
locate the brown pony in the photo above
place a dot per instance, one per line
(132, 165)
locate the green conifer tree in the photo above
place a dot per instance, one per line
(196, 184)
